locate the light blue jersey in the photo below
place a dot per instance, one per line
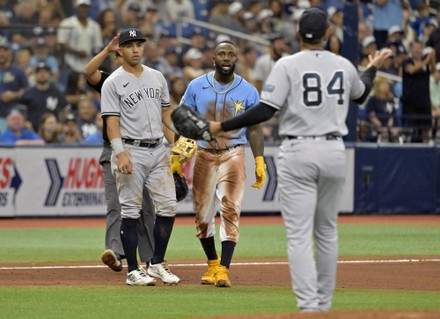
(215, 102)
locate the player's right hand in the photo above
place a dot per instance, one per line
(124, 163)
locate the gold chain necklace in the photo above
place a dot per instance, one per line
(225, 91)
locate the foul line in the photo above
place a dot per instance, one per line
(268, 263)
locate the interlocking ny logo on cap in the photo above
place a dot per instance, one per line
(132, 33)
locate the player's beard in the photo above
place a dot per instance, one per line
(224, 73)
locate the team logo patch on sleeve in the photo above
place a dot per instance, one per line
(268, 88)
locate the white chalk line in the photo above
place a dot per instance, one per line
(256, 263)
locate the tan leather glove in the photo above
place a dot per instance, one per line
(176, 167)
(260, 172)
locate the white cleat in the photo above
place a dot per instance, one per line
(163, 272)
(139, 277)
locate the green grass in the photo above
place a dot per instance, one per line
(187, 301)
(256, 241)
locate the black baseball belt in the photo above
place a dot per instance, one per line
(142, 143)
(219, 151)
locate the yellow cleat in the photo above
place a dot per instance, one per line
(208, 277)
(222, 277)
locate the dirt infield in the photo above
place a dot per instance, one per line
(421, 274)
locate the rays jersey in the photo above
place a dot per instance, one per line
(317, 87)
(137, 101)
(218, 103)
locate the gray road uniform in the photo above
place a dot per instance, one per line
(312, 89)
(113, 215)
(138, 102)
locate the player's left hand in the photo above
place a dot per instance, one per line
(176, 167)
(260, 172)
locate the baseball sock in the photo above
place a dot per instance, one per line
(129, 238)
(208, 245)
(227, 252)
(162, 233)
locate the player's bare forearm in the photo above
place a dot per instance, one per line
(256, 140)
(91, 71)
(167, 122)
(114, 134)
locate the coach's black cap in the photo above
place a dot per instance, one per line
(131, 34)
(313, 23)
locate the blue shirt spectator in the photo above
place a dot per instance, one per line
(16, 133)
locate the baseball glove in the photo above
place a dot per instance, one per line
(185, 148)
(181, 186)
(190, 124)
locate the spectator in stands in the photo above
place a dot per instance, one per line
(16, 131)
(193, 60)
(369, 46)
(428, 28)
(263, 65)
(41, 55)
(434, 90)
(180, 8)
(75, 89)
(381, 112)
(80, 37)
(177, 88)
(236, 21)
(43, 97)
(49, 128)
(26, 13)
(250, 23)
(130, 16)
(219, 14)
(86, 117)
(197, 41)
(6, 12)
(387, 13)
(13, 83)
(419, 20)
(434, 40)
(70, 133)
(264, 22)
(170, 65)
(22, 59)
(334, 44)
(415, 98)
(336, 17)
(96, 137)
(398, 56)
(246, 64)
(108, 23)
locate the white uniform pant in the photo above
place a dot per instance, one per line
(151, 167)
(311, 176)
(218, 181)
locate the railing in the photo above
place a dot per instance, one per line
(217, 29)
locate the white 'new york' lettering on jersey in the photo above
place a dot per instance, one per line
(317, 87)
(138, 102)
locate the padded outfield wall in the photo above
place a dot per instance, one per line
(67, 181)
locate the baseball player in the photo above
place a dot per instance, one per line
(134, 103)
(311, 89)
(114, 251)
(219, 169)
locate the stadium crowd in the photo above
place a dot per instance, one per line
(45, 45)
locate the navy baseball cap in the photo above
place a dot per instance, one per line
(313, 23)
(131, 34)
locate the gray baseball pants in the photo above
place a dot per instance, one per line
(311, 176)
(113, 216)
